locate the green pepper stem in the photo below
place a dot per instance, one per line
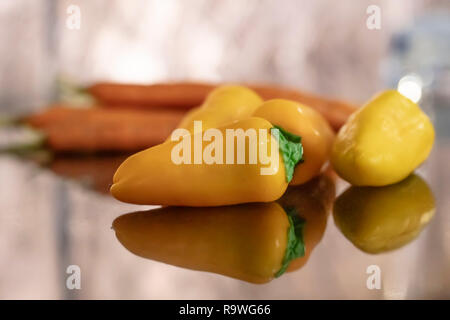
(291, 149)
(295, 247)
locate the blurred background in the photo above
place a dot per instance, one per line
(48, 222)
(313, 45)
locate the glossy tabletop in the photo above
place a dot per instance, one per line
(55, 211)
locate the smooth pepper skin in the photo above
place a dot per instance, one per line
(151, 177)
(378, 219)
(317, 135)
(223, 105)
(383, 142)
(246, 242)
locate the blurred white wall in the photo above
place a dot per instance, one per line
(322, 46)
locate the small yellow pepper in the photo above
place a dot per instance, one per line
(383, 142)
(152, 177)
(316, 134)
(252, 242)
(223, 105)
(378, 219)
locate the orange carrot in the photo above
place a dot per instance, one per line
(97, 129)
(185, 95)
(182, 95)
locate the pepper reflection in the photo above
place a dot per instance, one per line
(250, 242)
(312, 201)
(378, 219)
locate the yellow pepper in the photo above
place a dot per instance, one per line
(378, 219)
(223, 105)
(316, 134)
(152, 177)
(252, 242)
(312, 202)
(383, 142)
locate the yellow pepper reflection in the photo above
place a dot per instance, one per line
(247, 242)
(378, 219)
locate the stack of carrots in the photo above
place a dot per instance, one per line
(131, 117)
